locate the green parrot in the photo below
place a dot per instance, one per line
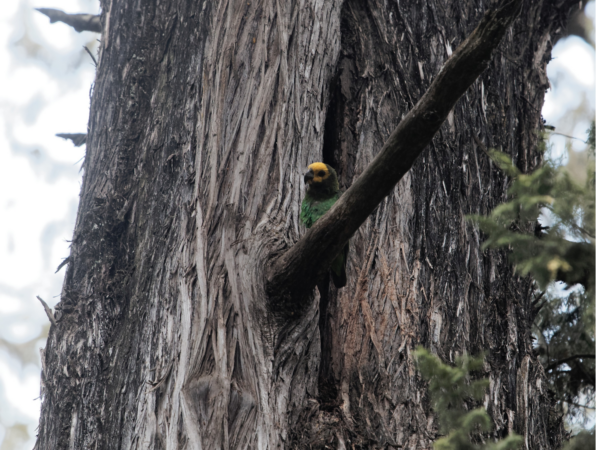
(323, 191)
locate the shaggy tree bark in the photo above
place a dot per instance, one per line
(295, 273)
(203, 118)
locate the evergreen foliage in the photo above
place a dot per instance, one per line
(565, 334)
(563, 250)
(583, 440)
(450, 389)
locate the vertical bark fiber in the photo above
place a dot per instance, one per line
(203, 118)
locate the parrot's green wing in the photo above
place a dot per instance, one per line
(312, 209)
(310, 212)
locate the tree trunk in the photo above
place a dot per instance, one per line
(203, 119)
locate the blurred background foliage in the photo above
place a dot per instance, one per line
(548, 226)
(450, 388)
(49, 77)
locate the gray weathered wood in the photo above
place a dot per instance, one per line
(203, 118)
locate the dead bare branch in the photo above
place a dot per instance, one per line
(81, 22)
(78, 139)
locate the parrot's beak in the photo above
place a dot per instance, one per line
(308, 177)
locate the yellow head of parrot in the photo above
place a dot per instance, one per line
(317, 172)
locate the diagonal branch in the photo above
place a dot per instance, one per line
(81, 22)
(292, 277)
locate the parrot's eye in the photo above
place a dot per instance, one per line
(321, 173)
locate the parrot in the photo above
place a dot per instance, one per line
(322, 192)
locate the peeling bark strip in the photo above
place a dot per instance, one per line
(81, 22)
(47, 309)
(203, 118)
(295, 274)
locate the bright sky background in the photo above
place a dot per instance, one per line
(45, 79)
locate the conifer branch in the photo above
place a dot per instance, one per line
(81, 22)
(292, 277)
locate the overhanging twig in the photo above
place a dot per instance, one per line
(91, 56)
(570, 137)
(294, 274)
(81, 22)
